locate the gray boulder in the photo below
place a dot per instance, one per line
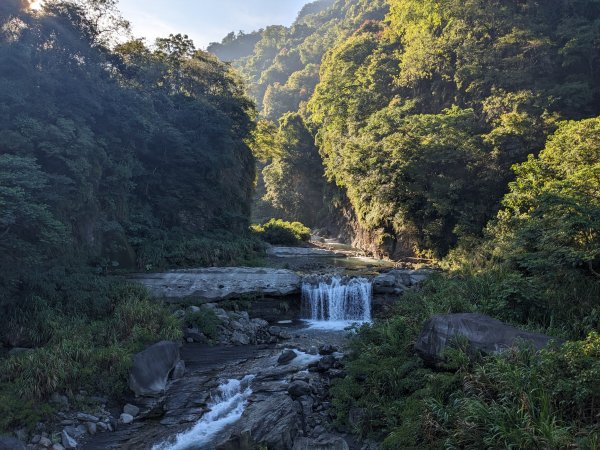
(483, 334)
(151, 368)
(9, 443)
(220, 283)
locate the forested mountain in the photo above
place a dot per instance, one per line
(419, 109)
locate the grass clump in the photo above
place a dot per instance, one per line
(280, 232)
(77, 349)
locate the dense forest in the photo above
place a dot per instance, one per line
(464, 133)
(112, 158)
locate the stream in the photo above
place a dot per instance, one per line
(235, 397)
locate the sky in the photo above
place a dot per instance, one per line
(205, 21)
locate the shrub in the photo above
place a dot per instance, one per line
(206, 321)
(280, 232)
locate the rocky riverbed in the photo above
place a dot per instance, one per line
(286, 404)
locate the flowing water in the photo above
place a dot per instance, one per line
(337, 301)
(225, 409)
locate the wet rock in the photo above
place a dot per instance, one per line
(126, 418)
(220, 283)
(327, 349)
(483, 334)
(272, 419)
(67, 441)
(324, 442)
(286, 357)
(57, 447)
(313, 350)
(326, 363)
(10, 443)
(132, 410)
(299, 389)
(151, 368)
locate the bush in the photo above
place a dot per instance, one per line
(280, 232)
(206, 321)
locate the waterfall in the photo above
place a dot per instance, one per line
(337, 300)
(226, 408)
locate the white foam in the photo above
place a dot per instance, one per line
(334, 325)
(226, 408)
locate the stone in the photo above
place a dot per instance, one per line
(87, 417)
(220, 283)
(102, 426)
(92, 428)
(323, 442)
(132, 410)
(36, 439)
(67, 441)
(151, 368)
(74, 432)
(194, 335)
(483, 334)
(126, 418)
(178, 371)
(57, 447)
(45, 442)
(193, 309)
(299, 389)
(10, 443)
(313, 350)
(238, 338)
(326, 363)
(396, 281)
(286, 357)
(327, 349)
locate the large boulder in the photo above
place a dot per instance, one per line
(483, 334)
(397, 280)
(151, 368)
(220, 283)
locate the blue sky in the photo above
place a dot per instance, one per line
(206, 21)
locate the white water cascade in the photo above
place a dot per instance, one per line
(226, 408)
(337, 300)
